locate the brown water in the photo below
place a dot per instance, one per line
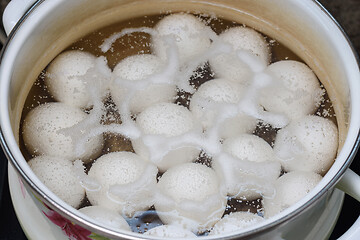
(139, 43)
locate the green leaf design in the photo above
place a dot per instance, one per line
(98, 237)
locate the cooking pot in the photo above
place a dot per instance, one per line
(48, 27)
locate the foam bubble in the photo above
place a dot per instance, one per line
(57, 174)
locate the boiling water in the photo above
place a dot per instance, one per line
(139, 43)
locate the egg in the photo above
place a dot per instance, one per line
(170, 231)
(221, 91)
(141, 67)
(106, 217)
(295, 90)
(57, 174)
(189, 33)
(126, 181)
(229, 65)
(290, 188)
(165, 121)
(63, 77)
(307, 144)
(235, 221)
(42, 132)
(191, 197)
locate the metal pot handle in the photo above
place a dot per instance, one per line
(14, 11)
(350, 184)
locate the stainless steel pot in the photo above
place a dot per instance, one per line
(305, 27)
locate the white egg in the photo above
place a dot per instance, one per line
(246, 179)
(106, 217)
(42, 132)
(135, 177)
(235, 221)
(166, 121)
(249, 147)
(290, 188)
(307, 144)
(189, 32)
(228, 65)
(170, 231)
(190, 197)
(59, 176)
(141, 67)
(63, 77)
(204, 107)
(295, 91)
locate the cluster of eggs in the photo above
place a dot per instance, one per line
(190, 198)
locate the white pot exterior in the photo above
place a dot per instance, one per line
(301, 25)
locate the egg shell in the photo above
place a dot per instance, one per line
(295, 90)
(140, 67)
(170, 231)
(59, 176)
(41, 132)
(249, 147)
(244, 179)
(229, 66)
(189, 33)
(190, 187)
(221, 91)
(166, 120)
(121, 168)
(290, 188)
(63, 77)
(307, 144)
(106, 217)
(235, 221)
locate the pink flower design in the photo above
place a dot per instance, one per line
(22, 187)
(74, 232)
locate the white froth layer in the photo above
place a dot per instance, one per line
(219, 97)
(106, 217)
(166, 121)
(295, 90)
(120, 175)
(191, 197)
(42, 132)
(290, 188)
(307, 144)
(189, 33)
(249, 147)
(229, 65)
(59, 176)
(235, 221)
(141, 67)
(170, 231)
(63, 77)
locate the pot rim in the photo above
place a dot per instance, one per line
(12, 152)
